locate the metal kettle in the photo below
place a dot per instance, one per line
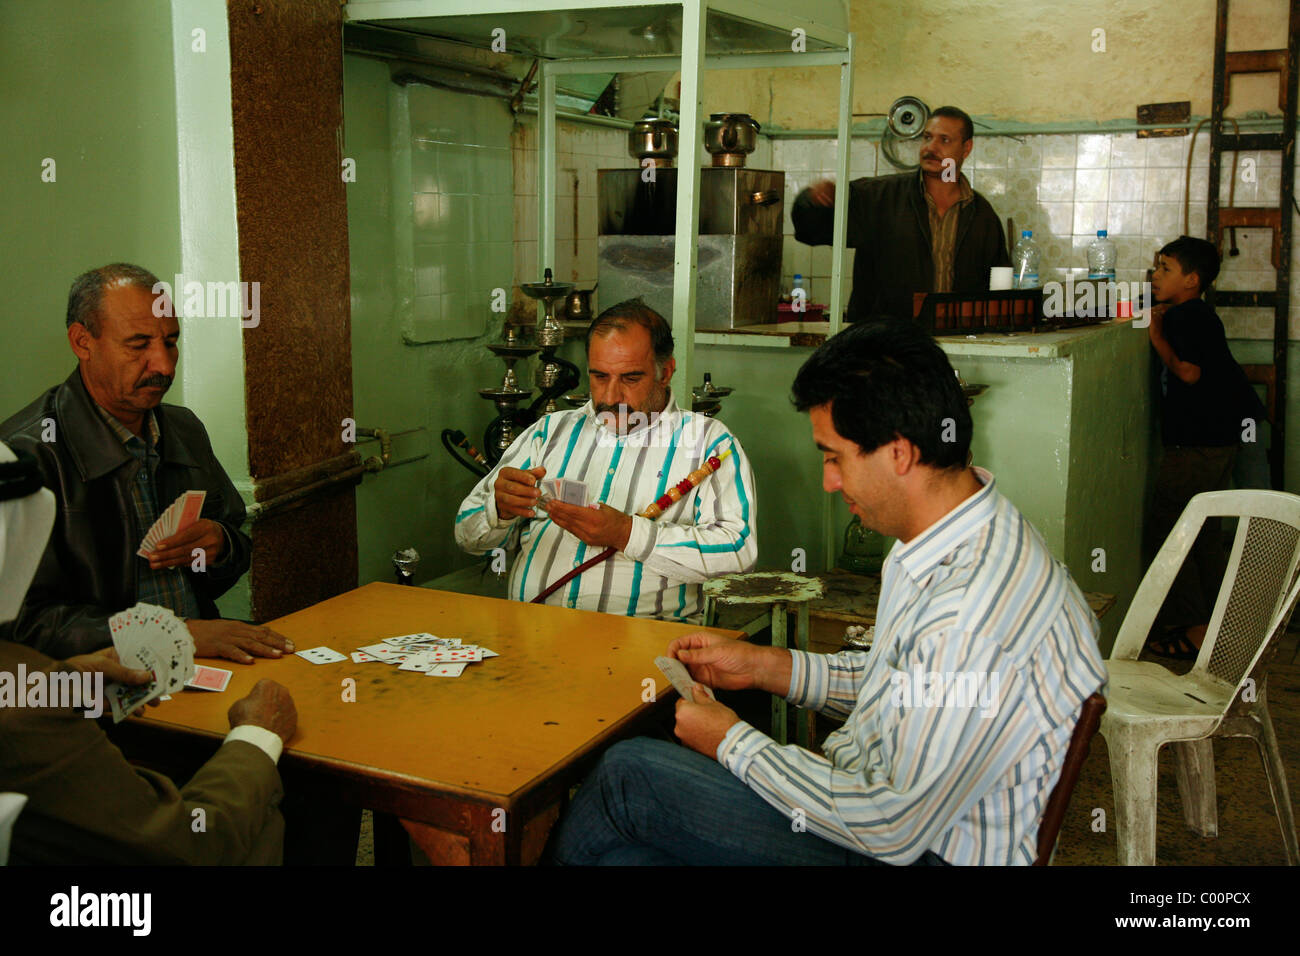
(730, 137)
(654, 139)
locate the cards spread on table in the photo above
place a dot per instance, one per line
(565, 489)
(180, 514)
(422, 653)
(151, 638)
(681, 678)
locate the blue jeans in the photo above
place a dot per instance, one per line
(650, 802)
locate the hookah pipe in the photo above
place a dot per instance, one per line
(673, 495)
(454, 439)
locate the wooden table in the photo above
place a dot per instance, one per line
(477, 766)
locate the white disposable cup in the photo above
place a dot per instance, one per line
(1000, 278)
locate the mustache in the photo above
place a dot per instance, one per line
(155, 381)
(615, 409)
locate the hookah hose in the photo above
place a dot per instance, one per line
(453, 439)
(674, 494)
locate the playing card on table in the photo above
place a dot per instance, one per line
(417, 662)
(409, 640)
(361, 657)
(209, 678)
(681, 678)
(446, 670)
(321, 655)
(386, 653)
(450, 655)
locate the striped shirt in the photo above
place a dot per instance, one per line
(958, 718)
(709, 532)
(165, 587)
(943, 232)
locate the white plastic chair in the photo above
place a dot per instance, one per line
(1224, 693)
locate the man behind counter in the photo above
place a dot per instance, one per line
(908, 235)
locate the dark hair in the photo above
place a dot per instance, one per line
(87, 292)
(1195, 255)
(886, 379)
(635, 312)
(951, 112)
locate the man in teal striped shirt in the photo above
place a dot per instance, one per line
(956, 722)
(629, 445)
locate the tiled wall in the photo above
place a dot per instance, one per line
(461, 184)
(1063, 187)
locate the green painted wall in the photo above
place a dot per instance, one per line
(89, 85)
(434, 386)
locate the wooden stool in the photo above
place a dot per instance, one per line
(780, 590)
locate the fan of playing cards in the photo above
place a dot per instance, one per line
(180, 514)
(422, 653)
(154, 639)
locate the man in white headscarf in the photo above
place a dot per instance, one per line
(76, 798)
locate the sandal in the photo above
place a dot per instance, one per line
(1173, 644)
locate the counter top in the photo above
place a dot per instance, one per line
(1049, 345)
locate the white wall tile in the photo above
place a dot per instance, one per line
(1091, 185)
(1056, 185)
(1127, 150)
(1059, 151)
(1089, 217)
(1167, 151)
(1093, 152)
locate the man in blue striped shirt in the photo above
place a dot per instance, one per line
(629, 445)
(957, 721)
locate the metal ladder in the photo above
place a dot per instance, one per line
(1284, 63)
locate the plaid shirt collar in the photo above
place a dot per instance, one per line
(125, 435)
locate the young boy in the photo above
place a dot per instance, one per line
(1204, 402)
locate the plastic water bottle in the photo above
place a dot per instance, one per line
(1024, 262)
(1101, 257)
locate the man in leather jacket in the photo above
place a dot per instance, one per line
(115, 458)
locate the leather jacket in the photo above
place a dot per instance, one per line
(889, 226)
(89, 569)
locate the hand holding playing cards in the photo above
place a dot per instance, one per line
(727, 664)
(516, 492)
(106, 662)
(236, 641)
(602, 527)
(701, 726)
(267, 705)
(179, 548)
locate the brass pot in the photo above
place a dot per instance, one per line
(654, 139)
(730, 137)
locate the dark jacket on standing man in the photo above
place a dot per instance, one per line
(89, 570)
(889, 226)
